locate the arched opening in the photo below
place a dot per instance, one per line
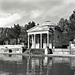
(10, 51)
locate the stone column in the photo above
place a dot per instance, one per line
(47, 39)
(28, 40)
(40, 40)
(34, 41)
(53, 39)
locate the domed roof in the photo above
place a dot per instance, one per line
(47, 23)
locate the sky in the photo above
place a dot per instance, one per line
(24, 11)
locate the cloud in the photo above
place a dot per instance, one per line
(68, 1)
(27, 5)
(63, 10)
(35, 13)
(9, 19)
(34, 10)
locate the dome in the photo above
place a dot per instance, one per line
(47, 23)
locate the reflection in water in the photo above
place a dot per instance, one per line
(72, 63)
(10, 57)
(2, 73)
(47, 60)
(18, 65)
(61, 69)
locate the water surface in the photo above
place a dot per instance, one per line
(21, 65)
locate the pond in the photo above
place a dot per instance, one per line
(26, 65)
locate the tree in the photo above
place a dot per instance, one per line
(23, 35)
(67, 28)
(72, 21)
(61, 24)
(11, 33)
(33, 24)
(72, 17)
(17, 30)
(26, 26)
(64, 28)
(30, 25)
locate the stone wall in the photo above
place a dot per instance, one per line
(61, 51)
(72, 47)
(14, 48)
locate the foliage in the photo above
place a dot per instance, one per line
(72, 21)
(67, 27)
(61, 24)
(23, 35)
(29, 25)
(16, 32)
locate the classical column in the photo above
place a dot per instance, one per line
(34, 41)
(28, 40)
(47, 39)
(40, 40)
(54, 39)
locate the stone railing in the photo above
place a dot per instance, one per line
(61, 51)
(14, 48)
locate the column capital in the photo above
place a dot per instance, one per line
(28, 34)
